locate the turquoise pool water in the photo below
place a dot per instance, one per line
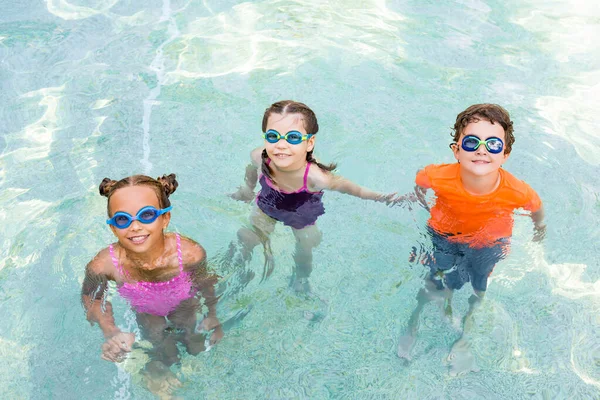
(111, 88)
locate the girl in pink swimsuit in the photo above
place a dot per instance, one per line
(162, 275)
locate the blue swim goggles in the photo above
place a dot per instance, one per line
(493, 144)
(146, 215)
(292, 137)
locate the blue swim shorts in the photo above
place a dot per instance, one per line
(454, 264)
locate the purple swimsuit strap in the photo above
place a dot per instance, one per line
(124, 273)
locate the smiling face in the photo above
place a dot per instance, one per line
(480, 162)
(285, 156)
(137, 237)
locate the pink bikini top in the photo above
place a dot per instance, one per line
(156, 298)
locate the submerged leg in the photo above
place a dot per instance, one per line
(160, 380)
(428, 293)
(461, 359)
(240, 253)
(184, 319)
(307, 238)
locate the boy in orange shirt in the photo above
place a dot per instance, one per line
(472, 218)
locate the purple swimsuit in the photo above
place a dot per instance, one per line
(156, 298)
(296, 209)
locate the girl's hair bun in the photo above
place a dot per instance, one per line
(105, 186)
(169, 183)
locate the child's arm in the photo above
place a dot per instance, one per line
(323, 180)
(100, 311)
(539, 226)
(420, 192)
(246, 191)
(205, 282)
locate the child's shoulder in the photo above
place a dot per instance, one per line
(516, 185)
(102, 263)
(430, 175)
(191, 251)
(256, 156)
(318, 179)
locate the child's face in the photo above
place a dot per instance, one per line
(480, 162)
(137, 237)
(286, 156)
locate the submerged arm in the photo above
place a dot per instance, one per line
(246, 191)
(98, 310)
(539, 226)
(420, 193)
(205, 282)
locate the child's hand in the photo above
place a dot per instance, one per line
(243, 194)
(404, 201)
(539, 233)
(387, 198)
(116, 347)
(210, 323)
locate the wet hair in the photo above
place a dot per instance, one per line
(487, 112)
(163, 187)
(309, 120)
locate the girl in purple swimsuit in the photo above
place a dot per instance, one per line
(161, 275)
(292, 184)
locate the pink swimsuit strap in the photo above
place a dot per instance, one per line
(305, 187)
(124, 273)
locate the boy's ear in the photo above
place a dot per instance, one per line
(455, 149)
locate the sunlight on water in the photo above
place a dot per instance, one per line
(39, 135)
(568, 26)
(69, 11)
(255, 36)
(574, 118)
(570, 31)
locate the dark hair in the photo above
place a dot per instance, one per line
(162, 186)
(309, 120)
(488, 112)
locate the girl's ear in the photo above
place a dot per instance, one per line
(311, 143)
(166, 219)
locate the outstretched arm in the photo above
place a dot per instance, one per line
(246, 191)
(99, 310)
(323, 180)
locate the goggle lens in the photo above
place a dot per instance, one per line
(148, 215)
(494, 145)
(294, 137)
(272, 137)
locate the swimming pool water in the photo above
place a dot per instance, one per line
(111, 88)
